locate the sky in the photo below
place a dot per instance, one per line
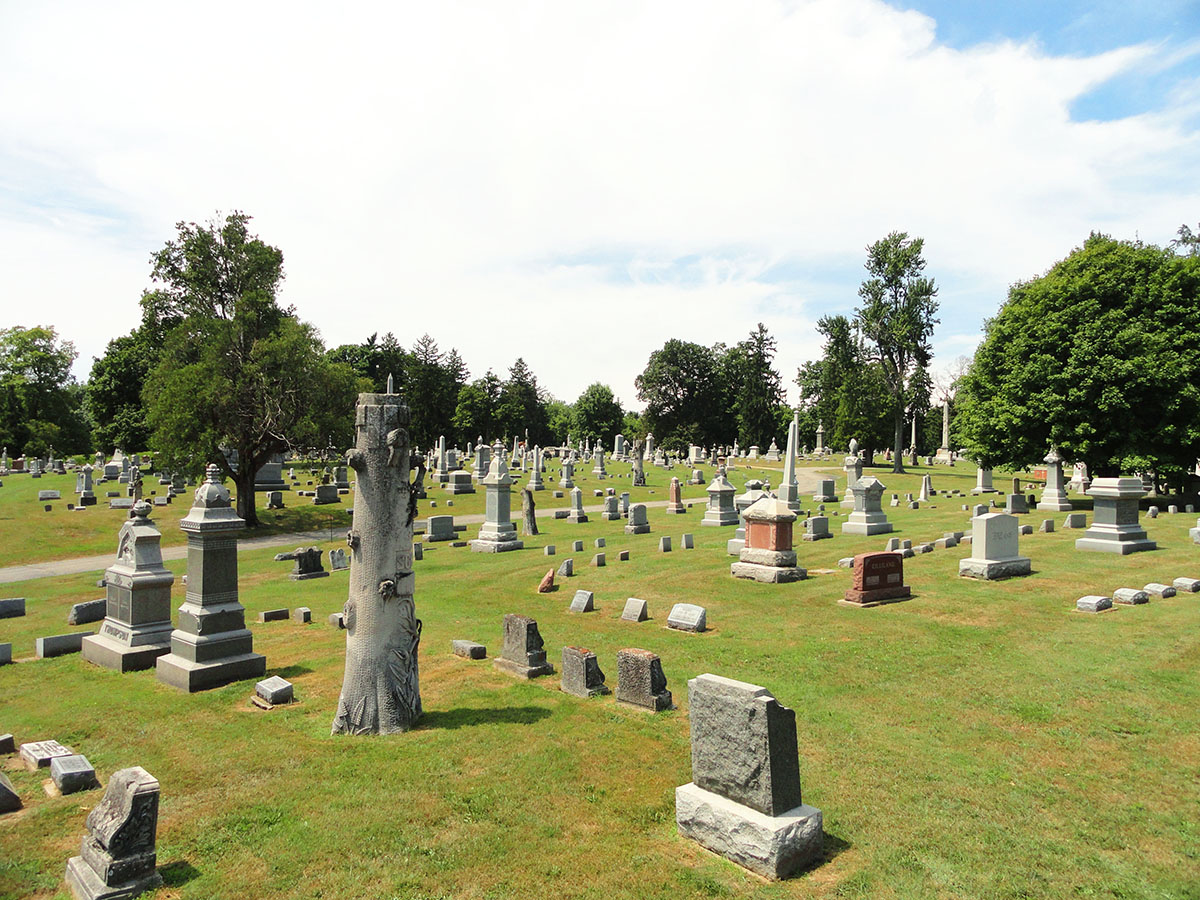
(577, 183)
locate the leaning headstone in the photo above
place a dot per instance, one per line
(118, 856)
(687, 617)
(994, 549)
(582, 602)
(640, 680)
(878, 579)
(212, 645)
(1093, 603)
(524, 653)
(73, 773)
(744, 798)
(581, 673)
(10, 800)
(634, 611)
(1115, 527)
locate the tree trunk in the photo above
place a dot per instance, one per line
(639, 472)
(529, 511)
(380, 691)
(898, 451)
(244, 481)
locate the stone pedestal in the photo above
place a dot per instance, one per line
(744, 799)
(1054, 497)
(983, 482)
(852, 466)
(118, 854)
(768, 555)
(720, 510)
(868, 516)
(498, 533)
(137, 624)
(1115, 527)
(212, 645)
(994, 549)
(577, 515)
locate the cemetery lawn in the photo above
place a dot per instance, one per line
(981, 740)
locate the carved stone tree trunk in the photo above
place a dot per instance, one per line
(380, 692)
(639, 473)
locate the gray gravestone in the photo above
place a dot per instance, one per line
(118, 855)
(581, 674)
(275, 690)
(524, 653)
(635, 610)
(582, 602)
(994, 549)
(687, 617)
(640, 680)
(73, 773)
(468, 649)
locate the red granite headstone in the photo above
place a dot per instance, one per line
(878, 578)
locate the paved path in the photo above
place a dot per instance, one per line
(806, 481)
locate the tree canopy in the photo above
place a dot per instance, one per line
(1099, 357)
(236, 371)
(40, 401)
(598, 415)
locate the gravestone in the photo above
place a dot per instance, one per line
(59, 644)
(687, 617)
(826, 491)
(816, 528)
(878, 579)
(439, 528)
(468, 649)
(39, 754)
(275, 500)
(459, 482)
(635, 611)
(582, 602)
(117, 857)
(1075, 520)
(675, 498)
(1054, 497)
(325, 494)
(994, 549)
(275, 690)
(577, 515)
(566, 482)
(664, 544)
(497, 534)
(93, 611)
(1015, 504)
(639, 522)
(10, 800)
(1093, 603)
(1115, 527)
(612, 509)
(308, 563)
(768, 556)
(868, 516)
(1187, 585)
(337, 560)
(720, 510)
(567, 568)
(12, 607)
(640, 680)
(1130, 596)
(211, 645)
(744, 799)
(523, 653)
(598, 469)
(741, 503)
(72, 774)
(581, 673)
(983, 482)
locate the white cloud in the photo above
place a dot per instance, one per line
(459, 168)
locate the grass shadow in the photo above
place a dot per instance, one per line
(178, 873)
(293, 671)
(465, 717)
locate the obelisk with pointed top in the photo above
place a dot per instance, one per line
(789, 492)
(381, 691)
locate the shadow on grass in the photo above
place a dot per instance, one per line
(833, 845)
(465, 717)
(293, 671)
(178, 873)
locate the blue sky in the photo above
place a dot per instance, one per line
(576, 183)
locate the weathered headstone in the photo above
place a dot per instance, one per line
(577, 515)
(1129, 596)
(744, 799)
(10, 800)
(39, 754)
(72, 774)
(524, 653)
(687, 617)
(639, 522)
(308, 563)
(635, 610)
(275, 690)
(640, 680)
(12, 607)
(118, 856)
(1093, 603)
(468, 649)
(581, 673)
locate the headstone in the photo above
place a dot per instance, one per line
(275, 690)
(567, 568)
(1054, 496)
(566, 482)
(468, 649)
(581, 674)
(439, 528)
(675, 497)
(639, 522)
(1115, 527)
(1047, 526)
(88, 611)
(577, 515)
(868, 516)
(524, 653)
(39, 754)
(1130, 596)
(826, 492)
(687, 617)
(212, 645)
(1015, 504)
(744, 799)
(274, 615)
(768, 556)
(497, 534)
(664, 544)
(994, 552)
(459, 482)
(983, 482)
(59, 644)
(1187, 585)
(640, 680)
(118, 856)
(308, 563)
(720, 509)
(598, 560)
(1075, 520)
(1093, 603)
(1162, 591)
(687, 541)
(878, 579)
(72, 774)
(10, 800)
(302, 615)
(337, 560)
(816, 528)
(12, 607)
(612, 509)
(635, 611)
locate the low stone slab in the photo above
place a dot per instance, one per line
(275, 690)
(273, 615)
(548, 550)
(60, 644)
(5, 654)
(38, 754)
(73, 773)
(48, 495)
(992, 569)
(1093, 603)
(687, 617)
(12, 607)
(87, 611)
(302, 615)
(121, 503)
(10, 801)
(7, 745)
(1130, 596)
(1162, 591)
(582, 602)
(635, 610)
(772, 846)
(1075, 520)
(1187, 585)
(468, 649)
(338, 620)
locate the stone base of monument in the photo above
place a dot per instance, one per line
(104, 651)
(520, 669)
(867, 523)
(637, 529)
(307, 575)
(767, 574)
(771, 846)
(876, 597)
(994, 569)
(86, 885)
(485, 546)
(198, 676)
(87, 501)
(1107, 544)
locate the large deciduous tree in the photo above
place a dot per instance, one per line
(897, 318)
(39, 399)
(681, 389)
(1100, 358)
(598, 415)
(237, 371)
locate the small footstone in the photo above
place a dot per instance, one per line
(73, 773)
(598, 560)
(1026, 529)
(582, 602)
(846, 562)
(687, 617)
(567, 568)
(1187, 585)
(1130, 596)
(274, 690)
(10, 801)
(599, 543)
(546, 585)
(1162, 591)
(635, 611)
(549, 550)
(273, 615)
(338, 620)
(38, 754)
(687, 542)
(1093, 603)
(623, 556)
(468, 649)
(664, 544)
(302, 615)
(577, 547)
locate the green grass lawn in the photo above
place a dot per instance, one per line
(981, 740)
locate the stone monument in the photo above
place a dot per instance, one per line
(1054, 497)
(1115, 527)
(868, 516)
(118, 854)
(498, 533)
(994, 550)
(720, 509)
(768, 555)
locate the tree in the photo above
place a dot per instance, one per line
(237, 371)
(40, 404)
(560, 419)
(759, 392)
(1099, 358)
(522, 407)
(897, 318)
(683, 392)
(113, 394)
(375, 359)
(598, 415)
(1187, 243)
(476, 415)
